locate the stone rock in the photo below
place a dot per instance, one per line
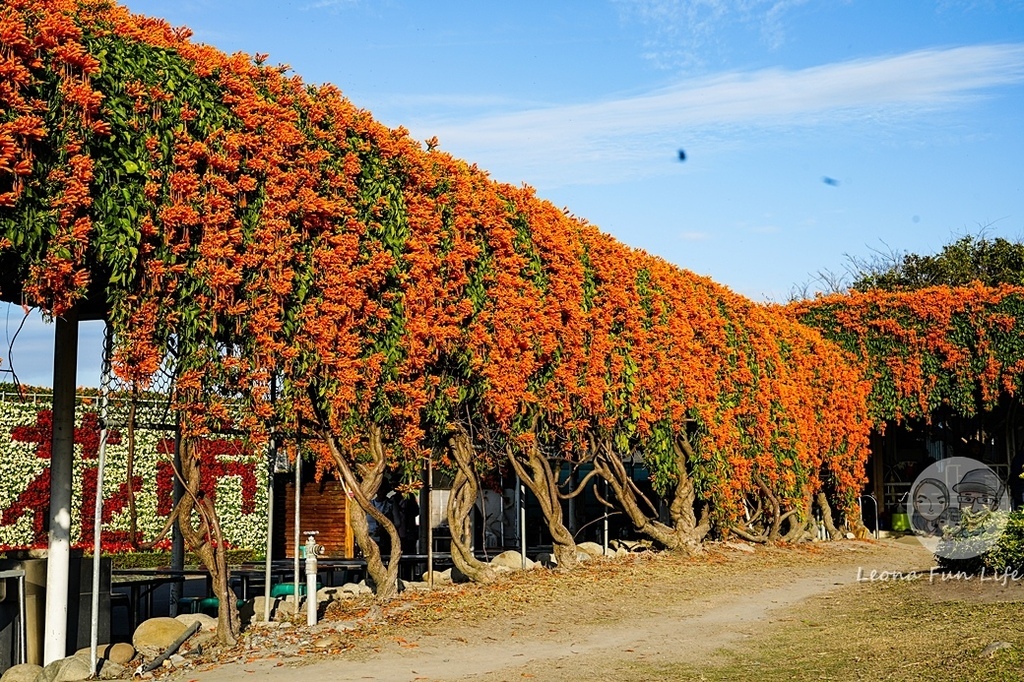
(591, 548)
(25, 672)
(119, 652)
(153, 636)
(109, 670)
(258, 607)
(205, 622)
(70, 669)
(741, 546)
(204, 640)
(440, 577)
(285, 609)
(328, 594)
(364, 588)
(546, 560)
(326, 642)
(177, 661)
(621, 552)
(583, 557)
(350, 588)
(511, 559)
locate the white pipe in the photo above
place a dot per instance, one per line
(65, 361)
(311, 600)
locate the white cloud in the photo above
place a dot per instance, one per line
(593, 141)
(683, 32)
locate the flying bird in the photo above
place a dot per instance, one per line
(682, 155)
(830, 181)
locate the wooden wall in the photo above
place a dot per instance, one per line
(324, 508)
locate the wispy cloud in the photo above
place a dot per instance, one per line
(694, 236)
(592, 140)
(328, 4)
(683, 32)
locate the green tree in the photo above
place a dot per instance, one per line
(968, 259)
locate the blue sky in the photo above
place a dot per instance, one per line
(913, 108)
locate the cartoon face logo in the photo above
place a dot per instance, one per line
(954, 504)
(931, 506)
(979, 490)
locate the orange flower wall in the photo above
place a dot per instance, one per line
(222, 209)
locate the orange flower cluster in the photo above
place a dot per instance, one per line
(257, 228)
(939, 346)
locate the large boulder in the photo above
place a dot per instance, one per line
(153, 636)
(108, 670)
(70, 669)
(511, 559)
(119, 652)
(440, 577)
(205, 622)
(254, 609)
(328, 594)
(25, 672)
(593, 549)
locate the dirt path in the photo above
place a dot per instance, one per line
(620, 628)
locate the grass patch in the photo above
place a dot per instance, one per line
(884, 631)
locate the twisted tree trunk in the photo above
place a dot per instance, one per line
(534, 469)
(800, 523)
(465, 488)
(200, 528)
(826, 516)
(362, 481)
(686, 532)
(765, 525)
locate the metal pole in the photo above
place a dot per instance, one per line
(522, 519)
(98, 518)
(271, 465)
(22, 625)
(62, 448)
(270, 530)
(430, 522)
(298, 521)
(177, 539)
(605, 522)
(483, 513)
